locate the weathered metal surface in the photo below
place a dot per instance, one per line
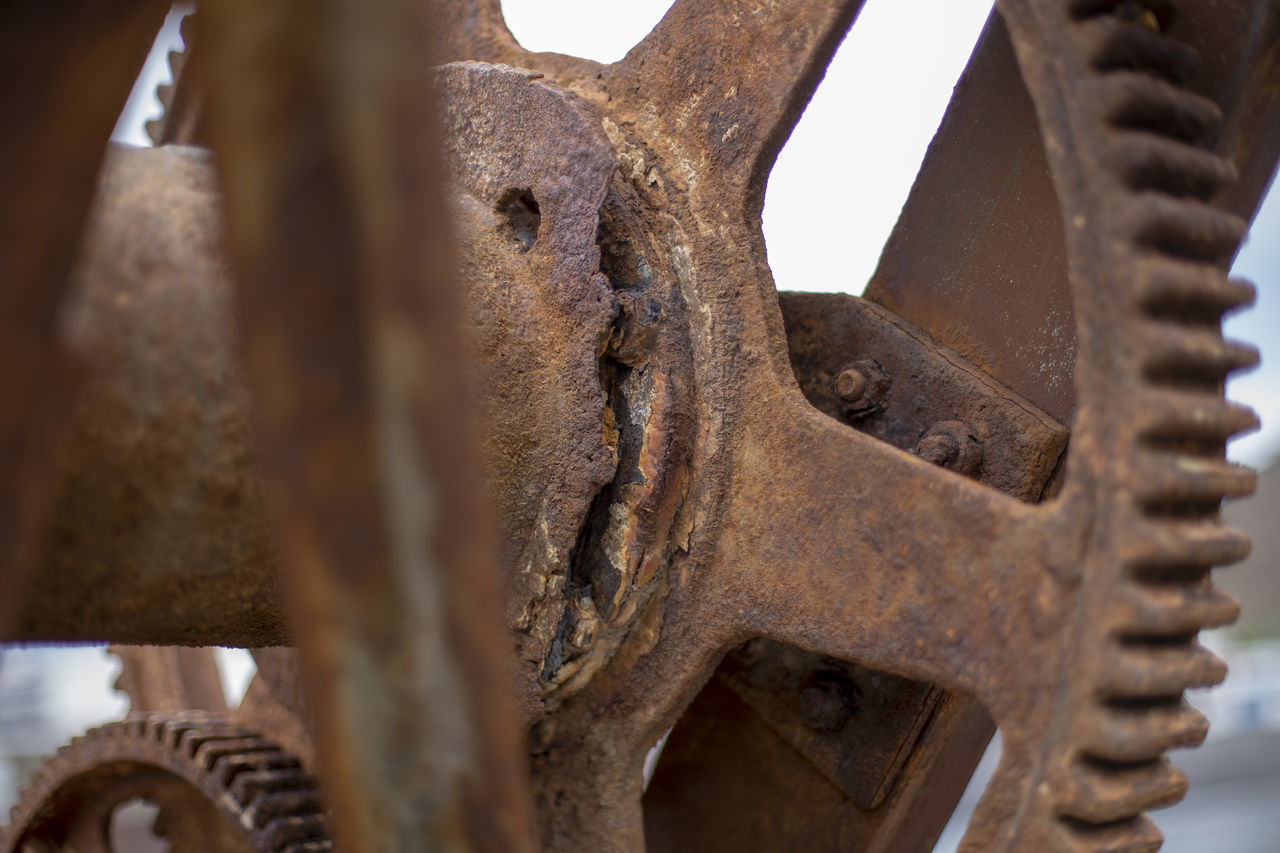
(857, 727)
(928, 392)
(666, 491)
(159, 533)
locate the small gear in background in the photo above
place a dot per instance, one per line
(218, 786)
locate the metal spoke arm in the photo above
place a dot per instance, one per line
(723, 103)
(900, 567)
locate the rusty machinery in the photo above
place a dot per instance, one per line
(832, 541)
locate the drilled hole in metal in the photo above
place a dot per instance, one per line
(521, 217)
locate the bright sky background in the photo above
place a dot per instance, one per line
(840, 182)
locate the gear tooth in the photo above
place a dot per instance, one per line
(1129, 732)
(265, 808)
(1174, 484)
(227, 767)
(1178, 544)
(155, 128)
(1171, 609)
(1185, 228)
(1131, 835)
(1201, 420)
(245, 786)
(1147, 162)
(1148, 668)
(1185, 292)
(1140, 102)
(190, 741)
(1182, 356)
(1103, 792)
(165, 92)
(208, 751)
(294, 829)
(1113, 45)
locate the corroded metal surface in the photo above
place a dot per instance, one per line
(159, 532)
(836, 501)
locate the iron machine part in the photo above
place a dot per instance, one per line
(832, 541)
(219, 787)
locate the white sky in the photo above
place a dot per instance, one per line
(840, 182)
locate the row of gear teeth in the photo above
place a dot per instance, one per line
(1179, 245)
(264, 790)
(179, 110)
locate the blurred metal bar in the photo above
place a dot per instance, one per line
(67, 69)
(336, 228)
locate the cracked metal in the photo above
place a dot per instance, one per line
(818, 518)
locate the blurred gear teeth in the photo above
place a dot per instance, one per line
(164, 128)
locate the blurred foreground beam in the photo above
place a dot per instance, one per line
(67, 69)
(320, 121)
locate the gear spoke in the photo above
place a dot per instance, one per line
(900, 566)
(722, 105)
(474, 30)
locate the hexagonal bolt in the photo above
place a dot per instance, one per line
(862, 387)
(951, 445)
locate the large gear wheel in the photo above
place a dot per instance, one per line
(219, 787)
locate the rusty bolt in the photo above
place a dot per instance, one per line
(862, 386)
(951, 445)
(828, 701)
(850, 384)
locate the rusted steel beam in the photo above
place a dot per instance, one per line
(977, 258)
(322, 126)
(68, 68)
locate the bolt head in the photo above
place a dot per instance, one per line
(939, 449)
(851, 384)
(951, 445)
(828, 701)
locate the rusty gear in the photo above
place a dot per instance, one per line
(219, 787)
